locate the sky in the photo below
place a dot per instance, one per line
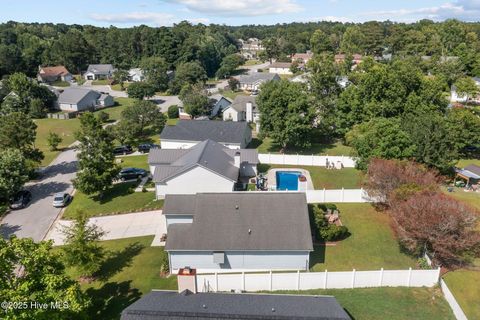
(126, 13)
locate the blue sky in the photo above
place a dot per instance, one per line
(125, 13)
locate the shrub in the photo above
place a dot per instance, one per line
(326, 206)
(103, 117)
(332, 232)
(164, 264)
(172, 112)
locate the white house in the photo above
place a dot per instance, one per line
(243, 108)
(136, 75)
(280, 68)
(455, 97)
(253, 81)
(218, 103)
(79, 99)
(99, 71)
(238, 231)
(206, 167)
(187, 133)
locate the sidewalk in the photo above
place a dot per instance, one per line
(120, 226)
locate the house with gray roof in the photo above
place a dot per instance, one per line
(172, 305)
(243, 108)
(187, 133)
(206, 167)
(77, 99)
(253, 81)
(218, 103)
(99, 71)
(238, 231)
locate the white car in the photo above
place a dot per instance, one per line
(61, 199)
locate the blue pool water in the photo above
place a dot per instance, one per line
(287, 180)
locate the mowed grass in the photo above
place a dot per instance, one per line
(332, 149)
(465, 162)
(130, 270)
(464, 285)
(252, 62)
(134, 161)
(471, 198)
(348, 178)
(117, 86)
(67, 128)
(102, 82)
(121, 198)
(370, 246)
(389, 303)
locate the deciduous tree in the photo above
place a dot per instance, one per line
(13, 173)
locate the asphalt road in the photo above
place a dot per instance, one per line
(35, 220)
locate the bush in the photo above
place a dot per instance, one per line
(320, 226)
(172, 112)
(164, 264)
(332, 232)
(326, 206)
(103, 117)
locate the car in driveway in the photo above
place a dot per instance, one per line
(145, 147)
(122, 150)
(61, 199)
(21, 199)
(132, 173)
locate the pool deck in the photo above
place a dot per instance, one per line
(302, 186)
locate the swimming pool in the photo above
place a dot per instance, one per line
(287, 180)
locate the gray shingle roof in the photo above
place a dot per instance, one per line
(257, 76)
(75, 95)
(278, 221)
(179, 204)
(474, 169)
(240, 103)
(200, 130)
(100, 68)
(186, 305)
(208, 154)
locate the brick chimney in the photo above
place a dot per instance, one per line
(187, 279)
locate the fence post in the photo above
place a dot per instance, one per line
(324, 195)
(312, 160)
(361, 194)
(438, 275)
(343, 194)
(409, 276)
(298, 279)
(271, 280)
(380, 282)
(353, 278)
(243, 281)
(216, 281)
(326, 278)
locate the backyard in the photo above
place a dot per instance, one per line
(465, 288)
(332, 149)
(370, 246)
(348, 178)
(134, 162)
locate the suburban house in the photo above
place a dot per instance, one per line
(99, 71)
(80, 99)
(243, 108)
(253, 81)
(218, 104)
(52, 74)
(249, 48)
(206, 167)
(302, 58)
(238, 231)
(187, 304)
(136, 75)
(187, 133)
(356, 58)
(280, 68)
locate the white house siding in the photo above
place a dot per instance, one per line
(176, 218)
(238, 260)
(196, 180)
(280, 70)
(68, 107)
(232, 114)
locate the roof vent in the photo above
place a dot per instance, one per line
(204, 306)
(273, 309)
(236, 207)
(249, 231)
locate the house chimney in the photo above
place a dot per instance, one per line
(249, 110)
(236, 159)
(187, 279)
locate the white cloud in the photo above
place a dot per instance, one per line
(149, 18)
(240, 7)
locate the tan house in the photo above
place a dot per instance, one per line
(52, 74)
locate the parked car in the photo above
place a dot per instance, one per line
(61, 199)
(145, 147)
(122, 150)
(20, 200)
(132, 173)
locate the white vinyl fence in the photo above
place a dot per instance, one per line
(316, 280)
(457, 310)
(337, 195)
(296, 159)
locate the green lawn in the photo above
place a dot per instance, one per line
(465, 288)
(231, 94)
(121, 198)
(135, 162)
(117, 86)
(472, 198)
(370, 246)
(104, 82)
(252, 62)
(61, 84)
(130, 270)
(465, 162)
(389, 303)
(332, 149)
(348, 178)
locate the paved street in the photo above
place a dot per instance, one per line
(35, 220)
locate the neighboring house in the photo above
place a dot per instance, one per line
(206, 167)
(136, 75)
(218, 104)
(302, 58)
(99, 71)
(187, 304)
(52, 74)
(238, 231)
(250, 48)
(301, 78)
(80, 99)
(254, 80)
(243, 108)
(187, 133)
(456, 97)
(356, 58)
(280, 68)
(470, 173)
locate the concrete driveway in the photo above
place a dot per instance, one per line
(35, 220)
(120, 226)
